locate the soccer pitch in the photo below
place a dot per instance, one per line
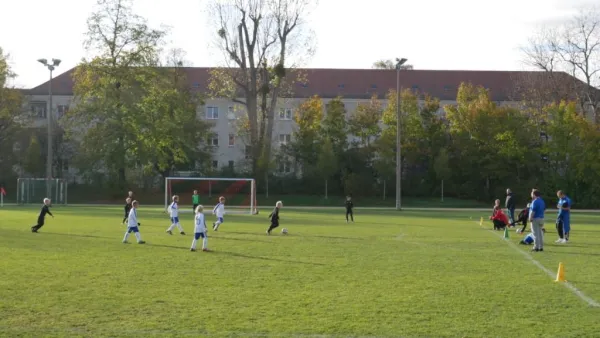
(410, 274)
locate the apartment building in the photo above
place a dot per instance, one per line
(355, 86)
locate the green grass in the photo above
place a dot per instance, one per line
(412, 274)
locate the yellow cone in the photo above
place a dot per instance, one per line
(560, 275)
(481, 222)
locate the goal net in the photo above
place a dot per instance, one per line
(34, 190)
(240, 193)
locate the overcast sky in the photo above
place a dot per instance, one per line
(432, 34)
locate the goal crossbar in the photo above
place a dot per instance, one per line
(213, 180)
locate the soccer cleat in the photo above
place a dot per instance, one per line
(268, 233)
(206, 250)
(125, 242)
(182, 233)
(142, 242)
(563, 241)
(169, 232)
(193, 250)
(558, 240)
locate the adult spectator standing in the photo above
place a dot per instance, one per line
(510, 206)
(536, 217)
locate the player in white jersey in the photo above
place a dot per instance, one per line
(132, 224)
(200, 230)
(219, 211)
(174, 213)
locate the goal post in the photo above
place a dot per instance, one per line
(240, 193)
(34, 190)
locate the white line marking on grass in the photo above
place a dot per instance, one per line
(591, 302)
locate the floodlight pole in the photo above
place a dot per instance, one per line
(399, 64)
(51, 67)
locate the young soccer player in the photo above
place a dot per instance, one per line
(528, 240)
(349, 207)
(132, 224)
(174, 213)
(563, 220)
(219, 211)
(274, 216)
(127, 209)
(195, 200)
(522, 218)
(42, 217)
(200, 230)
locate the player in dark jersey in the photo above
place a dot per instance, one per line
(127, 207)
(349, 209)
(42, 217)
(274, 216)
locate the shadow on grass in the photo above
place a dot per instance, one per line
(74, 235)
(168, 246)
(238, 239)
(235, 254)
(578, 253)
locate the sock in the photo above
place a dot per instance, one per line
(171, 227)
(194, 242)
(138, 236)
(126, 236)
(179, 227)
(205, 243)
(217, 223)
(352, 217)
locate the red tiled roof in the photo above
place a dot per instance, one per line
(359, 83)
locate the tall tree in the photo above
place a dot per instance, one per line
(572, 47)
(335, 126)
(11, 117)
(364, 123)
(108, 87)
(260, 40)
(32, 161)
(304, 147)
(390, 64)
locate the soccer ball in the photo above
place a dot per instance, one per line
(284, 231)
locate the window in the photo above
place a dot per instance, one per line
(215, 164)
(248, 152)
(213, 141)
(284, 167)
(230, 165)
(231, 140)
(38, 109)
(212, 113)
(231, 113)
(285, 114)
(61, 110)
(284, 138)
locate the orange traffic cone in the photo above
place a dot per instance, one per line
(560, 275)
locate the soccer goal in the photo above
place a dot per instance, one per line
(34, 190)
(240, 193)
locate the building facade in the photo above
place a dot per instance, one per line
(354, 86)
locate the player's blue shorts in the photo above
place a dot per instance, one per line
(132, 229)
(220, 219)
(174, 220)
(198, 235)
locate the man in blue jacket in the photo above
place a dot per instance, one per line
(536, 217)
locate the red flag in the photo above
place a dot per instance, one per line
(2, 191)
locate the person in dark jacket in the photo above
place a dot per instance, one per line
(510, 205)
(42, 217)
(274, 216)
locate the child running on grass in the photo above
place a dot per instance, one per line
(200, 230)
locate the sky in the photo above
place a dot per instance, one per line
(431, 34)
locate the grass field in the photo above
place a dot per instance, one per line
(410, 274)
